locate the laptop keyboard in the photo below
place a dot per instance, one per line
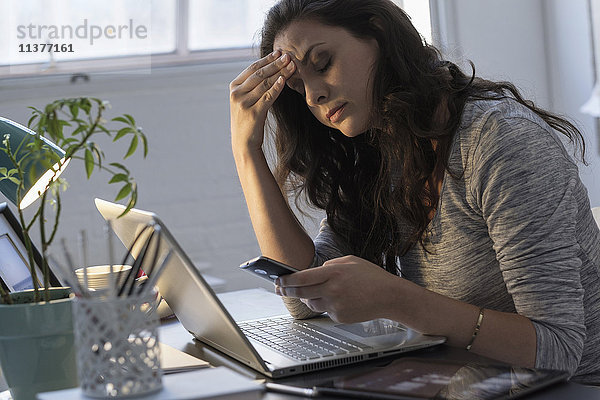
(297, 339)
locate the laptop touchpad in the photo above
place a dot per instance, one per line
(377, 327)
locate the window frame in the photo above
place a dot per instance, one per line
(182, 55)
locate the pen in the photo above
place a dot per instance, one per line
(84, 258)
(287, 389)
(111, 260)
(318, 391)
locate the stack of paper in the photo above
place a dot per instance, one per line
(173, 360)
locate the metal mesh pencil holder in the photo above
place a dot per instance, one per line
(118, 353)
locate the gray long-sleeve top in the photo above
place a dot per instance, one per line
(513, 233)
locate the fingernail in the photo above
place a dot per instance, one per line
(275, 53)
(290, 66)
(285, 57)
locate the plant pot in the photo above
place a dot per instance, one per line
(37, 349)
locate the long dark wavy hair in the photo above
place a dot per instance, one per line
(374, 187)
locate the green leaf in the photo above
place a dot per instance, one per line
(121, 119)
(55, 128)
(122, 132)
(33, 118)
(130, 118)
(41, 123)
(131, 203)
(53, 158)
(74, 109)
(99, 154)
(120, 166)
(3, 170)
(119, 178)
(103, 129)
(79, 129)
(145, 143)
(89, 162)
(79, 121)
(85, 105)
(14, 180)
(125, 190)
(132, 146)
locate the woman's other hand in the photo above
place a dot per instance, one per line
(252, 93)
(350, 289)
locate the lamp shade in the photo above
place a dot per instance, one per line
(37, 174)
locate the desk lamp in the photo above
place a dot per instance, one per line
(37, 175)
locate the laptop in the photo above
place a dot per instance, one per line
(275, 346)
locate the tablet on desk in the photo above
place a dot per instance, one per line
(439, 379)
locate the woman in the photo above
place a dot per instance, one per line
(452, 206)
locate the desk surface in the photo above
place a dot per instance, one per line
(258, 303)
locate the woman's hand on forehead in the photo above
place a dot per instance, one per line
(251, 95)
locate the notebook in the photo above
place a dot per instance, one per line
(276, 346)
(173, 361)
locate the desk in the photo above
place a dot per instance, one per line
(258, 303)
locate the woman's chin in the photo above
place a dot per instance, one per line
(351, 131)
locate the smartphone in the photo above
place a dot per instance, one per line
(267, 268)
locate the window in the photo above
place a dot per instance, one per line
(418, 10)
(236, 23)
(39, 35)
(215, 24)
(84, 29)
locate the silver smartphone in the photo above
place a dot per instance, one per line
(267, 268)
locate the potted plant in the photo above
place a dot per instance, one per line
(36, 333)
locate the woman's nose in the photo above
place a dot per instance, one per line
(316, 92)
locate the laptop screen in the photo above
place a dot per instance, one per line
(14, 272)
(14, 269)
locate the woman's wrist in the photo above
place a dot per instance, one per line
(395, 299)
(247, 153)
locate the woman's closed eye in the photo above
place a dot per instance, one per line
(324, 68)
(320, 67)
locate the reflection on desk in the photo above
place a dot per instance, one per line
(259, 303)
(210, 383)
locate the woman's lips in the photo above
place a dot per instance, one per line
(335, 114)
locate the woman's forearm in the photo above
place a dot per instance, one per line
(507, 337)
(278, 232)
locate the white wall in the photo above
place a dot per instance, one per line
(188, 178)
(572, 76)
(543, 46)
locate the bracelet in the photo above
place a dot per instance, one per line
(477, 328)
